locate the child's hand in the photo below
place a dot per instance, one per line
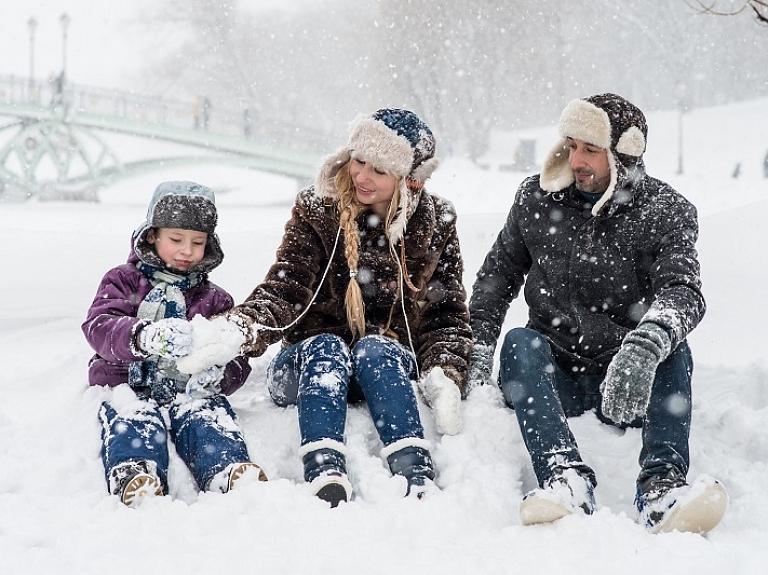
(216, 342)
(170, 337)
(205, 383)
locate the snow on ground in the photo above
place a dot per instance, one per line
(55, 514)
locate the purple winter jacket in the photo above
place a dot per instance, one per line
(111, 324)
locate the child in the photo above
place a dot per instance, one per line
(366, 294)
(137, 324)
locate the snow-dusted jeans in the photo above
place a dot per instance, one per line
(321, 374)
(205, 433)
(544, 396)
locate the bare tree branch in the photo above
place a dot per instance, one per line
(759, 7)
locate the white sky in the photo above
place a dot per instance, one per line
(106, 45)
(99, 39)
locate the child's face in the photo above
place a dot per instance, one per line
(179, 249)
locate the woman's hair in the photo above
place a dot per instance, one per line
(349, 209)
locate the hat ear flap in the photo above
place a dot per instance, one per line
(631, 142)
(324, 185)
(423, 172)
(556, 174)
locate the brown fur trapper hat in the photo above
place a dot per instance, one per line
(610, 122)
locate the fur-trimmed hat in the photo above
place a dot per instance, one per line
(607, 121)
(396, 141)
(185, 206)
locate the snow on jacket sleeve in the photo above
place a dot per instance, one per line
(111, 324)
(445, 336)
(499, 279)
(290, 282)
(678, 304)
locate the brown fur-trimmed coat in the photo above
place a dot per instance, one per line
(437, 314)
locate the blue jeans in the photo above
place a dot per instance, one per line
(544, 396)
(204, 431)
(320, 375)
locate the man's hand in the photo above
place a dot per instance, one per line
(480, 366)
(627, 385)
(170, 337)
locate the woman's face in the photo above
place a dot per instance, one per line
(373, 186)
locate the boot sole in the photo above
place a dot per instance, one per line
(535, 510)
(238, 471)
(141, 486)
(333, 493)
(700, 515)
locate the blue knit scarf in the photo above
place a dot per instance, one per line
(157, 374)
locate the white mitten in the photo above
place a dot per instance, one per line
(169, 337)
(205, 383)
(444, 397)
(214, 342)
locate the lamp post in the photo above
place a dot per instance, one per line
(32, 25)
(64, 21)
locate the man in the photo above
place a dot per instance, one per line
(607, 256)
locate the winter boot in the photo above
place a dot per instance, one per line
(668, 503)
(325, 469)
(410, 458)
(565, 492)
(227, 479)
(134, 480)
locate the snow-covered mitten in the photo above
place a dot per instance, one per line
(444, 397)
(215, 342)
(205, 383)
(169, 337)
(627, 385)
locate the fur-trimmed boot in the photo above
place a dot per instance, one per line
(325, 469)
(410, 458)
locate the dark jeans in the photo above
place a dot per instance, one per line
(544, 396)
(321, 374)
(204, 432)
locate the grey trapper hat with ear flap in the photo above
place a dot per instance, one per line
(396, 141)
(186, 206)
(607, 121)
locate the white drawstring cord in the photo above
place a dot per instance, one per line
(317, 291)
(402, 304)
(314, 296)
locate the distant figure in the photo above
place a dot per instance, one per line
(57, 83)
(196, 107)
(736, 170)
(765, 166)
(206, 112)
(247, 123)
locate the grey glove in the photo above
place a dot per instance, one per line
(627, 385)
(170, 337)
(480, 366)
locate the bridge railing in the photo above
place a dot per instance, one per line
(191, 114)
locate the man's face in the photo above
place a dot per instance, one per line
(590, 166)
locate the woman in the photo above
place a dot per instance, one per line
(366, 294)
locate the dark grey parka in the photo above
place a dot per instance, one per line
(591, 279)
